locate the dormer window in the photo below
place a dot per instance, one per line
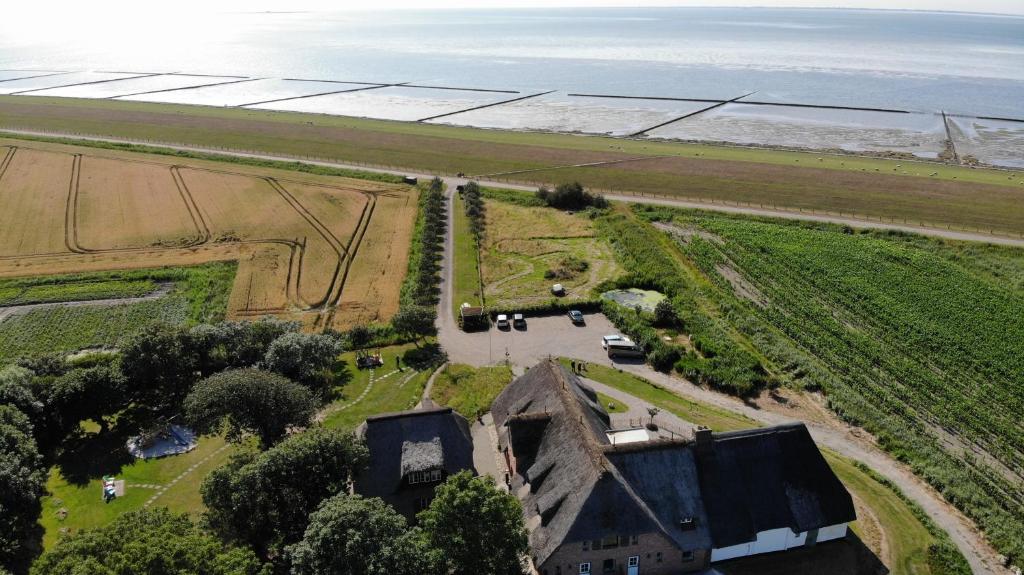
(426, 476)
(687, 523)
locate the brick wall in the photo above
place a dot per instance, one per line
(567, 558)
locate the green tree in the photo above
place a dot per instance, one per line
(306, 358)
(161, 367)
(22, 479)
(249, 401)
(94, 393)
(414, 322)
(350, 535)
(473, 528)
(147, 542)
(265, 499)
(665, 314)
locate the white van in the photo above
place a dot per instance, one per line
(624, 348)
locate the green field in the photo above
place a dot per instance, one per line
(528, 249)
(468, 390)
(912, 339)
(868, 187)
(908, 538)
(359, 397)
(199, 294)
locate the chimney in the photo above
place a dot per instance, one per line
(702, 439)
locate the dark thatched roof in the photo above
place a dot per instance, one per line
(576, 486)
(408, 441)
(761, 479)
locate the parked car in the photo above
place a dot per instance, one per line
(610, 338)
(502, 321)
(558, 289)
(576, 316)
(518, 321)
(624, 348)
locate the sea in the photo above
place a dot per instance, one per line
(859, 80)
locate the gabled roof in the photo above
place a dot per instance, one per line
(761, 479)
(574, 485)
(407, 441)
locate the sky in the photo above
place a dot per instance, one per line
(41, 7)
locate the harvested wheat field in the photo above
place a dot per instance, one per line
(327, 250)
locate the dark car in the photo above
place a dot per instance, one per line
(576, 316)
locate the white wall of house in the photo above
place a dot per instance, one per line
(776, 540)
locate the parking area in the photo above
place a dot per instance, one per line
(542, 336)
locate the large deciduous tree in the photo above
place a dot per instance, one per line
(306, 358)
(249, 401)
(93, 393)
(265, 499)
(150, 542)
(161, 366)
(472, 528)
(22, 478)
(350, 535)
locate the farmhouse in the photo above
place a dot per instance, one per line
(411, 452)
(657, 506)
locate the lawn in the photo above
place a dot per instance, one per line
(143, 479)
(610, 404)
(466, 275)
(528, 249)
(686, 409)
(907, 537)
(371, 392)
(199, 294)
(868, 187)
(469, 390)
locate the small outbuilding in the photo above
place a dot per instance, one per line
(411, 453)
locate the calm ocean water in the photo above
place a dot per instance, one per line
(927, 62)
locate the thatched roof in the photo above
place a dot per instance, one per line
(579, 486)
(418, 440)
(761, 479)
(575, 486)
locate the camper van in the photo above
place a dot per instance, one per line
(624, 348)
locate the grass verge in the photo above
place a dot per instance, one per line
(466, 273)
(469, 390)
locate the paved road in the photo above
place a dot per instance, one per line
(852, 222)
(550, 336)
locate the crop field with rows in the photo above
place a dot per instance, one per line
(919, 341)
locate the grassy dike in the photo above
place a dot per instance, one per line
(868, 187)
